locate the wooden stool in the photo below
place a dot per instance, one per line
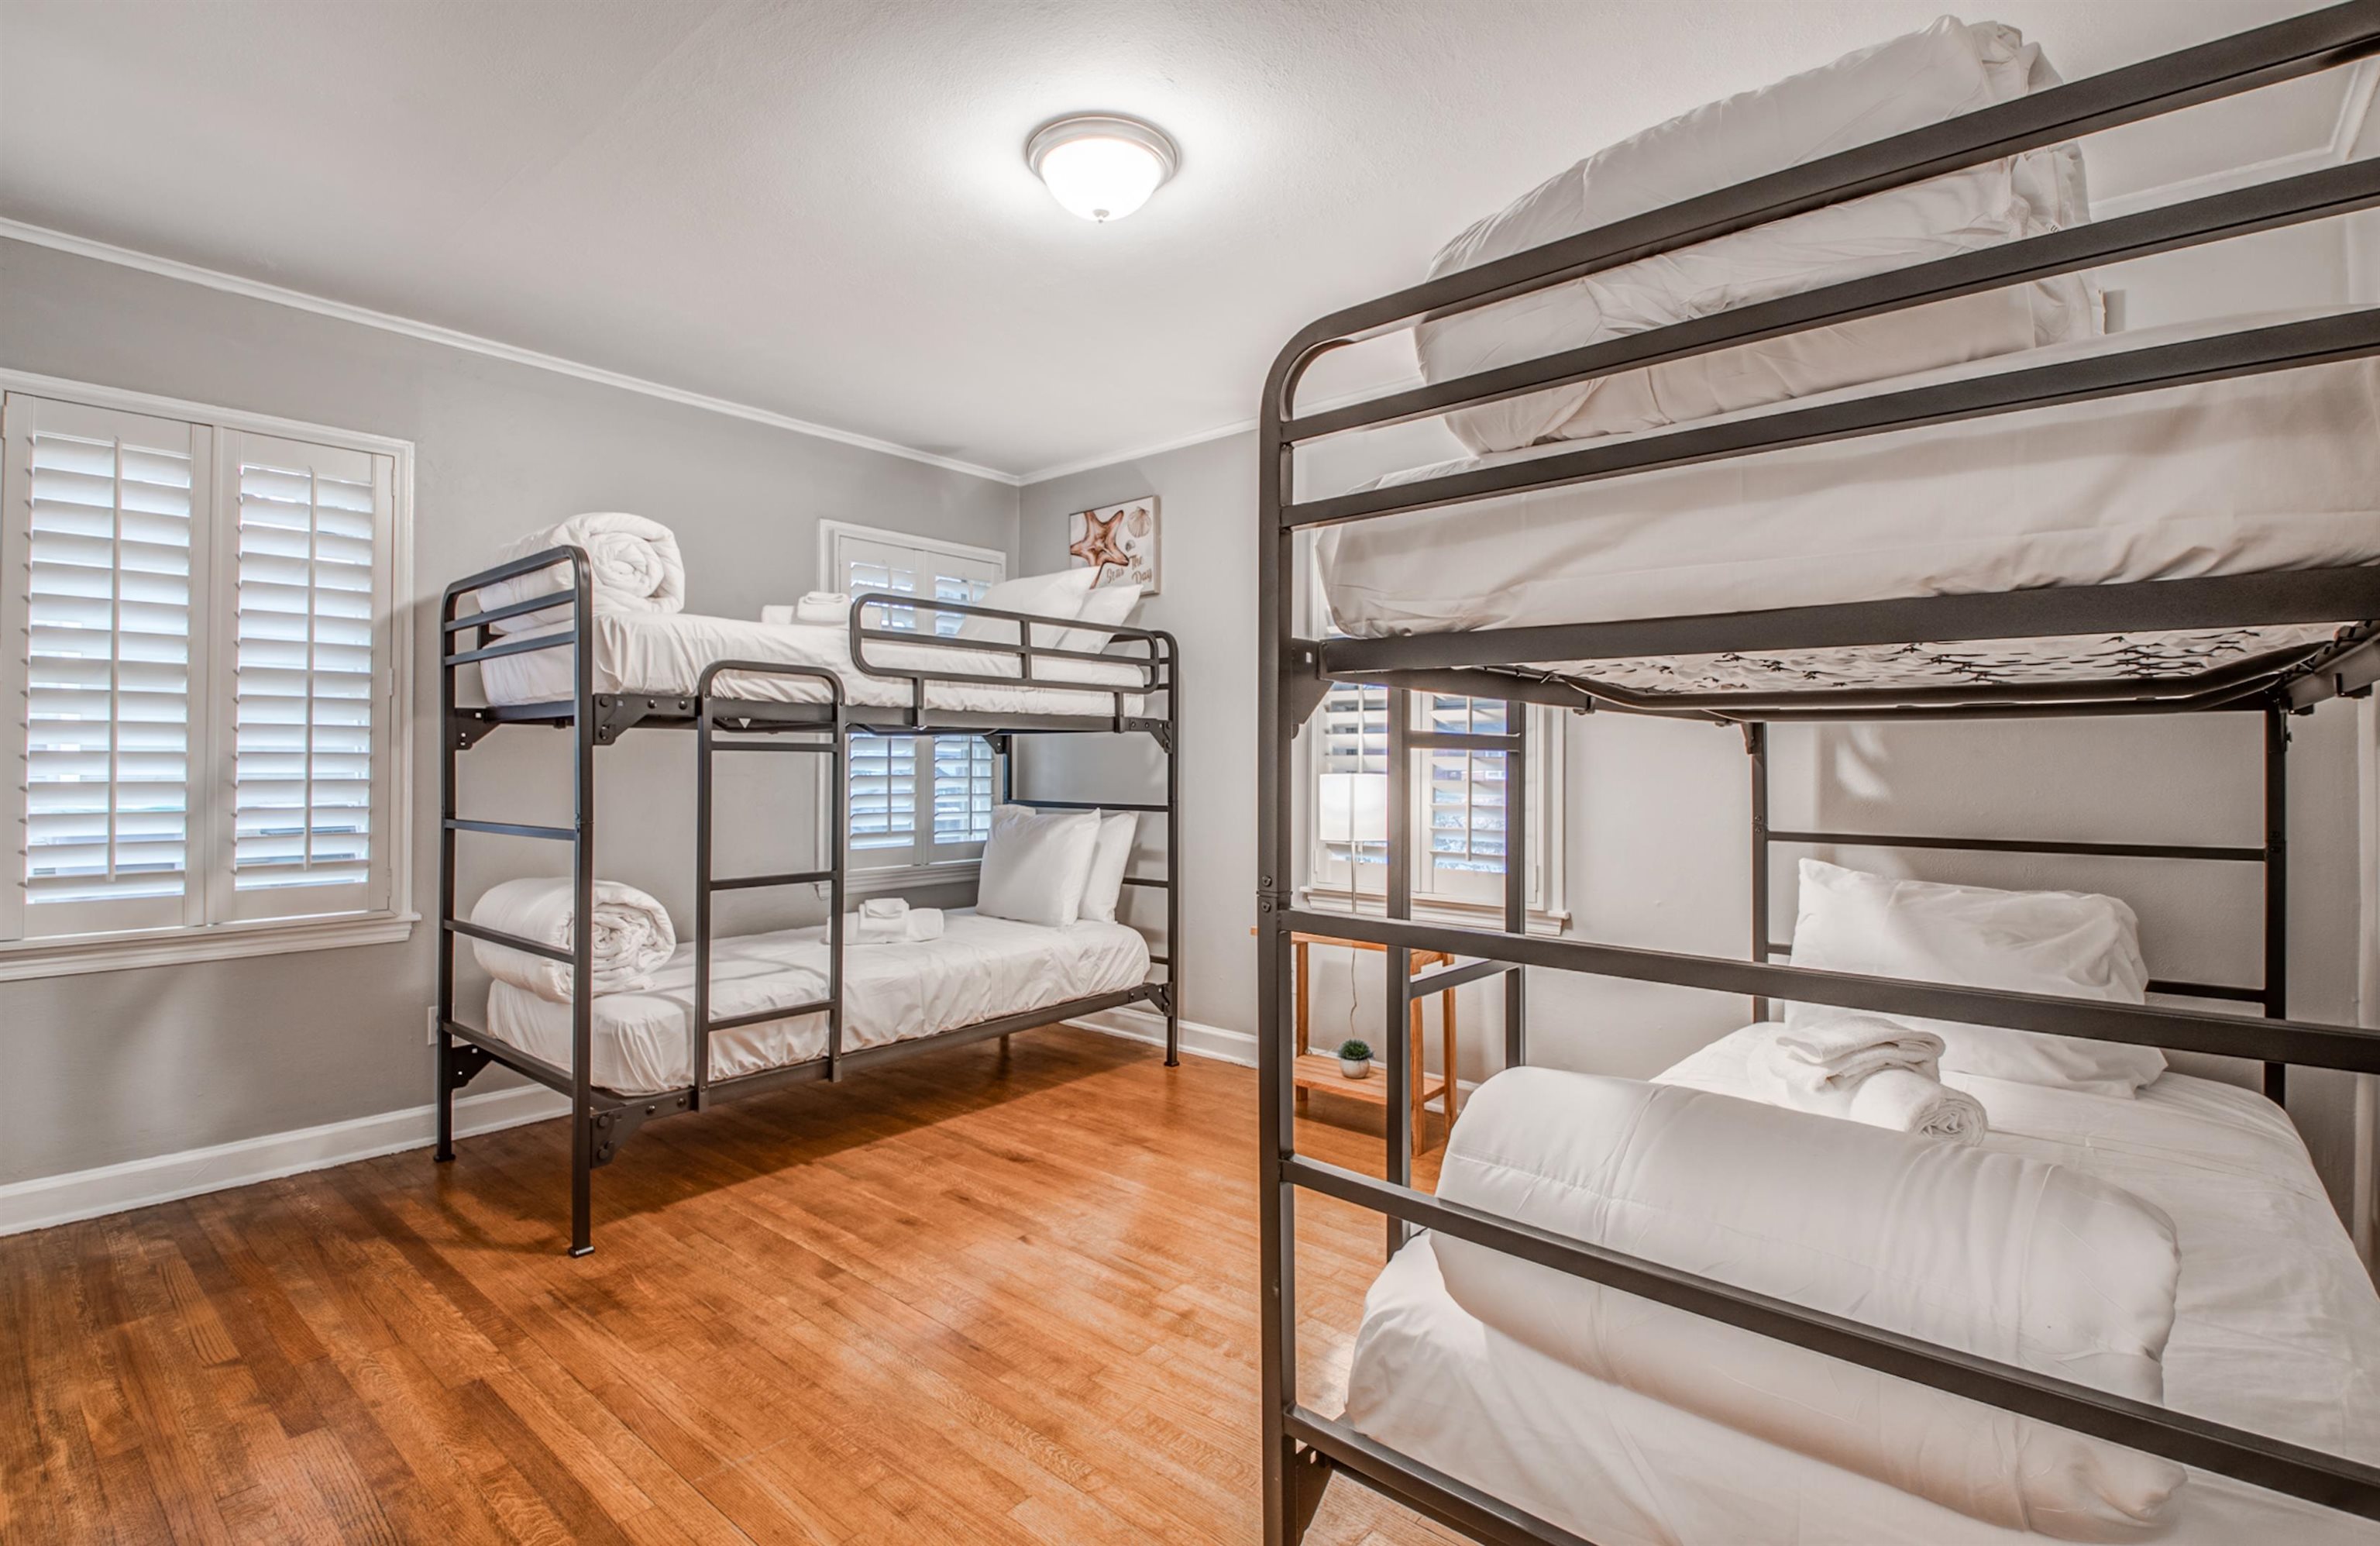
(1316, 1071)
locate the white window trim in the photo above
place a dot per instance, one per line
(1547, 796)
(62, 956)
(884, 880)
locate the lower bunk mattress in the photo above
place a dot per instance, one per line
(980, 968)
(2256, 473)
(2276, 1332)
(666, 653)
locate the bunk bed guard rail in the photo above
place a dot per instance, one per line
(1303, 1448)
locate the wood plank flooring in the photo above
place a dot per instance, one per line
(962, 1299)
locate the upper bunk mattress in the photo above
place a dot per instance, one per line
(2277, 1331)
(666, 654)
(979, 968)
(2273, 471)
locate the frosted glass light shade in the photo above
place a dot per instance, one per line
(1100, 167)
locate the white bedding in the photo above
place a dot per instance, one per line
(980, 968)
(667, 653)
(2273, 471)
(2277, 1330)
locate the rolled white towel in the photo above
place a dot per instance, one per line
(880, 908)
(632, 936)
(816, 606)
(1865, 1068)
(633, 562)
(1910, 1102)
(915, 926)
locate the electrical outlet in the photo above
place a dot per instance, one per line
(430, 1031)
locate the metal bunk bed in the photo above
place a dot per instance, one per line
(1304, 1449)
(603, 1120)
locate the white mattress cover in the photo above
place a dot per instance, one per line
(2273, 471)
(981, 968)
(666, 653)
(2277, 1331)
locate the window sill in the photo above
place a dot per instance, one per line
(23, 960)
(892, 879)
(1455, 912)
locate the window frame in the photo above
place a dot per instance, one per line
(219, 430)
(870, 871)
(1332, 885)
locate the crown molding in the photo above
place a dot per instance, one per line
(253, 289)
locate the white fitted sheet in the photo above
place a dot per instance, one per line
(2277, 1330)
(667, 653)
(979, 968)
(2273, 471)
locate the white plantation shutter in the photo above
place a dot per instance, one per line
(105, 517)
(200, 655)
(915, 799)
(305, 674)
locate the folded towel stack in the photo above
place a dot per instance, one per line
(632, 936)
(1866, 1068)
(632, 563)
(891, 920)
(816, 606)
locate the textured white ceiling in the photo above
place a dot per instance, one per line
(821, 210)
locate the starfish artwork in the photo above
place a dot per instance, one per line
(1100, 545)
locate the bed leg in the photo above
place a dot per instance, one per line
(582, 1187)
(444, 1152)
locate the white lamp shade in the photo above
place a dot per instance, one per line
(1099, 166)
(1352, 807)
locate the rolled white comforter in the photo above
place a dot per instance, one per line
(633, 936)
(2028, 1264)
(1908, 82)
(633, 561)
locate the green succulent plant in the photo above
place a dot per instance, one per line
(1356, 1052)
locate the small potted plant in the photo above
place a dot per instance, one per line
(1355, 1059)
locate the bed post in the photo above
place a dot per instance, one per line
(1755, 746)
(2276, 886)
(448, 746)
(582, 932)
(1516, 887)
(1397, 1025)
(1173, 942)
(838, 845)
(1277, 725)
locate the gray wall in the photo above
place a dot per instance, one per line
(119, 1066)
(1207, 494)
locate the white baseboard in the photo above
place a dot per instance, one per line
(1136, 1024)
(86, 1194)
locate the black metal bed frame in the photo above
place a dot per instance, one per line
(1303, 1448)
(603, 1120)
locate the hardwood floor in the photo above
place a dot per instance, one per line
(953, 1300)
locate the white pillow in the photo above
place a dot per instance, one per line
(1106, 603)
(2017, 1260)
(1036, 863)
(2069, 943)
(1051, 595)
(1105, 887)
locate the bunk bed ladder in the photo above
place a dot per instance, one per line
(835, 747)
(458, 1063)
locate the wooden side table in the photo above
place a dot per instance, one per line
(1314, 1071)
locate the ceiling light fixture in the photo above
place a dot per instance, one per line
(1099, 166)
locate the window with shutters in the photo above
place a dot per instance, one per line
(200, 634)
(1458, 818)
(914, 800)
